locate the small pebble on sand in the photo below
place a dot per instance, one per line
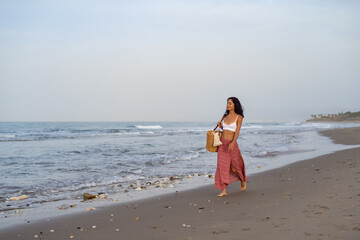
(93, 227)
(52, 230)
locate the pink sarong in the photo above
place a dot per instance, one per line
(224, 175)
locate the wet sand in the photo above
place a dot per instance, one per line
(318, 198)
(348, 136)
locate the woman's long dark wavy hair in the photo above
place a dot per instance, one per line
(238, 107)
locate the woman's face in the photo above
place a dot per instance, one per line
(230, 105)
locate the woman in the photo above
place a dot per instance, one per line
(230, 164)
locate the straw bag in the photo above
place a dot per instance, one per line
(213, 139)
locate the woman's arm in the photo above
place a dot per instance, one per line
(220, 125)
(237, 132)
(238, 126)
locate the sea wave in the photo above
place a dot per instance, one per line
(7, 135)
(148, 127)
(69, 135)
(252, 126)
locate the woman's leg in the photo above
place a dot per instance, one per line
(243, 183)
(238, 166)
(223, 193)
(222, 170)
(233, 169)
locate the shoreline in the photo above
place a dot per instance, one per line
(68, 207)
(162, 216)
(346, 136)
(323, 121)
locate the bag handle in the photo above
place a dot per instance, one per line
(220, 121)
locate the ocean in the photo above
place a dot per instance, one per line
(57, 161)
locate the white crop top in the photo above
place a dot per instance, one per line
(230, 127)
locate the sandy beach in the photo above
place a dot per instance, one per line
(317, 198)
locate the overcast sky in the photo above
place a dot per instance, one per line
(177, 60)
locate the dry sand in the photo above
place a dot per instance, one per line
(317, 198)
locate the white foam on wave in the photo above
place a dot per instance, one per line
(253, 126)
(187, 157)
(7, 136)
(148, 127)
(133, 133)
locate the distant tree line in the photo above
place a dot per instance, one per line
(339, 117)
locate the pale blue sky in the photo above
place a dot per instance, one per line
(177, 60)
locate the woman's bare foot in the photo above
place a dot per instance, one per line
(243, 186)
(223, 193)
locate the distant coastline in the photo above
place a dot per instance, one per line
(339, 117)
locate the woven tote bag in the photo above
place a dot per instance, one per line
(211, 144)
(213, 139)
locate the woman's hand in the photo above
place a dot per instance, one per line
(219, 124)
(231, 146)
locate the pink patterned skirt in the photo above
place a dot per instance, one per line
(224, 175)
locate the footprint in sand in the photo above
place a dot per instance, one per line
(220, 231)
(341, 227)
(349, 216)
(356, 228)
(322, 208)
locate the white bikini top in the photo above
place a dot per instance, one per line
(230, 127)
